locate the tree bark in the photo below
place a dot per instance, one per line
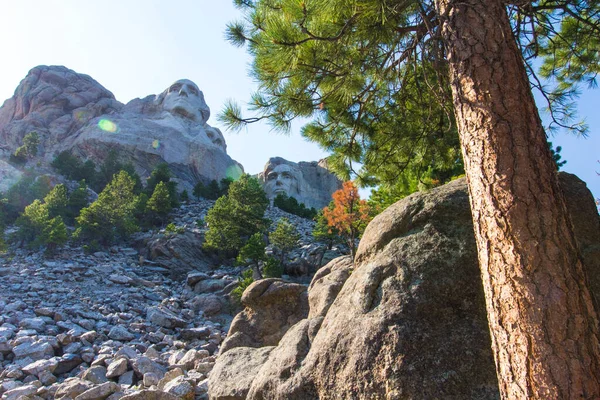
(543, 325)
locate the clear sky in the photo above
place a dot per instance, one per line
(139, 47)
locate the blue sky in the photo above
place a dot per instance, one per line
(135, 48)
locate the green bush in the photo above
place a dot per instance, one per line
(174, 229)
(284, 238)
(291, 205)
(38, 228)
(66, 164)
(272, 268)
(244, 281)
(28, 150)
(112, 216)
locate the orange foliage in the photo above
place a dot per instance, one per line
(349, 215)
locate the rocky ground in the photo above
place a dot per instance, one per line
(112, 324)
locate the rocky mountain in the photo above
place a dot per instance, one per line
(406, 319)
(311, 183)
(71, 111)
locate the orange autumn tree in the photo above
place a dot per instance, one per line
(349, 214)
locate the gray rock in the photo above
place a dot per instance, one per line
(20, 392)
(165, 318)
(181, 388)
(36, 350)
(233, 375)
(37, 367)
(126, 379)
(150, 395)
(143, 365)
(95, 374)
(272, 307)
(100, 392)
(67, 363)
(120, 333)
(194, 333)
(72, 387)
(116, 368)
(150, 379)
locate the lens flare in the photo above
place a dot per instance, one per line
(156, 144)
(234, 172)
(107, 125)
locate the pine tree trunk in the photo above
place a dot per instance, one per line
(543, 326)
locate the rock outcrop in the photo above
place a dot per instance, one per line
(311, 183)
(272, 307)
(72, 111)
(410, 319)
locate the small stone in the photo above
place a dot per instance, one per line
(95, 375)
(126, 379)
(150, 379)
(120, 333)
(99, 392)
(181, 388)
(116, 368)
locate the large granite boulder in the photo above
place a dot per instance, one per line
(272, 306)
(311, 183)
(71, 111)
(410, 320)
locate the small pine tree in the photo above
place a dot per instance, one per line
(244, 281)
(236, 217)
(272, 268)
(56, 201)
(324, 233)
(213, 191)
(38, 228)
(184, 197)
(199, 190)
(28, 150)
(224, 186)
(162, 173)
(111, 217)
(78, 199)
(55, 234)
(284, 238)
(253, 252)
(556, 156)
(159, 204)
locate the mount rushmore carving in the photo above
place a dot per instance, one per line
(72, 111)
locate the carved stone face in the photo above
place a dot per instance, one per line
(281, 179)
(184, 98)
(216, 137)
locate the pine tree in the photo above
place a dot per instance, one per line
(284, 238)
(253, 252)
(78, 199)
(111, 217)
(56, 201)
(324, 233)
(162, 173)
(236, 216)
(159, 204)
(199, 190)
(351, 65)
